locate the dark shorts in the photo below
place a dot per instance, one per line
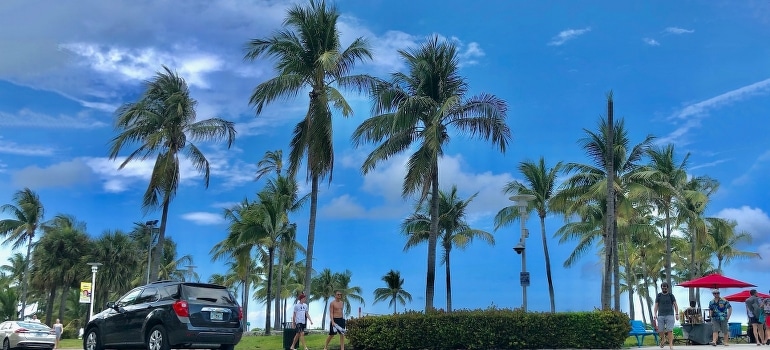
(299, 327)
(754, 320)
(340, 322)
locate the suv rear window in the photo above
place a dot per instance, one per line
(210, 293)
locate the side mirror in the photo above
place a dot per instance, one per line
(110, 304)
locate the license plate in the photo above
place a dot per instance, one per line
(216, 316)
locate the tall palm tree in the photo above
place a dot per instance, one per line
(26, 216)
(454, 231)
(308, 54)
(271, 162)
(394, 290)
(419, 108)
(665, 177)
(15, 269)
(540, 182)
(162, 124)
(588, 183)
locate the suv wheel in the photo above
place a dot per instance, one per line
(91, 340)
(156, 339)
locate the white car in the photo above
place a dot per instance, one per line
(27, 335)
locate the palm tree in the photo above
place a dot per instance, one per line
(59, 253)
(419, 107)
(163, 124)
(342, 284)
(323, 288)
(15, 269)
(724, 239)
(173, 267)
(121, 262)
(453, 229)
(272, 161)
(26, 216)
(308, 54)
(588, 186)
(540, 182)
(238, 251)
(394, 291)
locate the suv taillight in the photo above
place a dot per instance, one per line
(240, 313)
(181, 309)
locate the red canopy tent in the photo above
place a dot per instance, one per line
(715, 280)
(743, 295)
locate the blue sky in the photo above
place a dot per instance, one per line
(695, 74)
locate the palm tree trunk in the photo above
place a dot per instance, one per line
(668, 247)
(448, 283)
(432, 239)
(277, 322)
(157, 253)
(547, 263)
(25, 282)
(270, 256)
(692, 262)
(630, 280)
(641, 304)
(616, 264)
(246, 298)
(609, 247)
(311, 233)
(326, 306)
(49, 307)
(63, 300)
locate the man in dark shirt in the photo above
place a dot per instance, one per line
(666, 311)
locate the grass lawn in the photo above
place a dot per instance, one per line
(272, 342)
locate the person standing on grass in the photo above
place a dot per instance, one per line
(58, 328)
(720, 311)
(300, 318)
(666, 311)
(336, 319)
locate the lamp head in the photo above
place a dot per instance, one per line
(519, 248)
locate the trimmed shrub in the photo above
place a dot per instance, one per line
(490, 329)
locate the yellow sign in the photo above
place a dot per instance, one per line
(85, 292)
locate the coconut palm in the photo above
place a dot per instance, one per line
(14, 269)
(454, 231)
(120, 259)
(162, 124)
(9, 301)
(26, 216)
(540, 182)
(309, 55)
(174, 267)
(323, 288)
(342, 283)
(394, 290)
(417, 110)
(588, 184)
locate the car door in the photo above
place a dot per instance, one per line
(115, 322)
(4, 327)
(136, 314)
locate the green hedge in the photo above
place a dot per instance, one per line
(490, 329)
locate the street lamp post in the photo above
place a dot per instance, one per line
(94, 268)
(150, 225)
(522, 202)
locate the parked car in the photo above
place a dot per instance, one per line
(168, 314)
(29, 335)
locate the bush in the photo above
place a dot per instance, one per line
(490, 329)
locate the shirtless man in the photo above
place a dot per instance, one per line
(335, 318)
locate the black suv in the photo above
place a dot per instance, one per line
(168, 314)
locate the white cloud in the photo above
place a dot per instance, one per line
(694, 113)
(677, 30)
(143, 63)
(10, 147)
(204, 218)
(64, 174)
(752, 220)
(28, 118)
(386, 182)
(651, 42)
(567, 35)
